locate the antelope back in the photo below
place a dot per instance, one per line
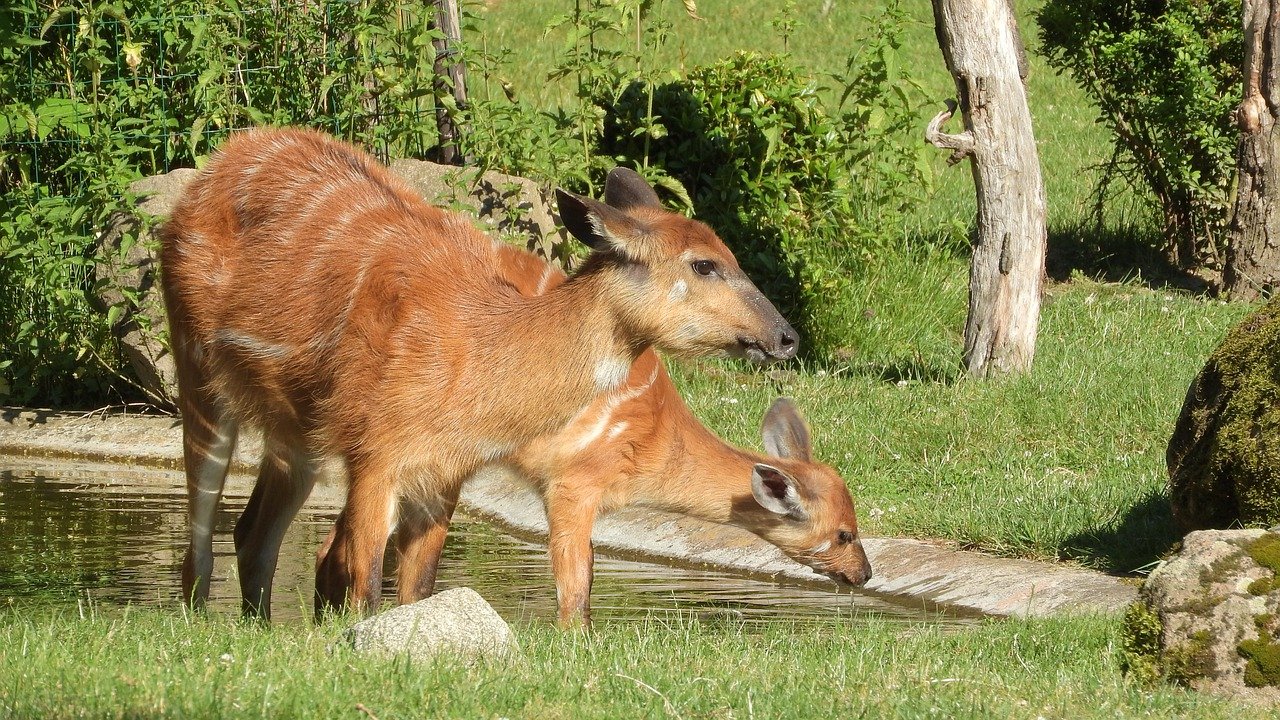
(285, 267)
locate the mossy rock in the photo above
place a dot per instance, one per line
(1224, 456)
(1262, 654)
(1208, 617)
(1143, 657)
(1140, 638)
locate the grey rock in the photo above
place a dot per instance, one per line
(121, 274)
(454, 623)
(516, 209)
(1204, 601)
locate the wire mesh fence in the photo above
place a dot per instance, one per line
(94, 95)
(159, 83)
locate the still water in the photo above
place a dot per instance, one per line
(116, 535)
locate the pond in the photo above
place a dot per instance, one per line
(74, 531)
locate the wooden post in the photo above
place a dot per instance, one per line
(983, 50)
(1253, 252)
(450, 80)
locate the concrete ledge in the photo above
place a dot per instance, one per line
(904, 568)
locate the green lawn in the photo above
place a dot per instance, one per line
(1067, 462)
(1072, 145)
(158, 664)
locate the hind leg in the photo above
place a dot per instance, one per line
(285, 479)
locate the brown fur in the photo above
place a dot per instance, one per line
(314, 294)
(641, 445)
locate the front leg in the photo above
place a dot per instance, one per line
(571, 514)
(419, 542)
(349, 567)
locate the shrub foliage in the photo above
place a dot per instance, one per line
(1166, 76)
(94, 95)
(803, 190)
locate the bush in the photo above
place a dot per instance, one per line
(1166, 76)
(802, 192)
(96, 95)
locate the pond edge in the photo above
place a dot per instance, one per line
(905, 569)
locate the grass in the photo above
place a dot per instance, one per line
(159, 663)
(1073, 146)
(1066, 462)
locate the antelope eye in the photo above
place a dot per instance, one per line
(704, 267)
(844, 537)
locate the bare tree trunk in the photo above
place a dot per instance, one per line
(451, 81)
(1253, 253)
(983, 51)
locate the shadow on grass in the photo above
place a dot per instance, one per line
(898, 371)
(1143, 535)
(1117, 254)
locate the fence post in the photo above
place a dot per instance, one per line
(450, 80)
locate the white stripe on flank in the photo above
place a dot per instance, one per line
(492, 450)
(596, 430)
(251, 344)
(546, 278)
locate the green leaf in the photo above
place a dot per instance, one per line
(57, 15)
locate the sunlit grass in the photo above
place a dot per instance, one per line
(1073, 147)
(1066, 462)
(160, 663)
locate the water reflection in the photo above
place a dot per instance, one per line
(118, 536)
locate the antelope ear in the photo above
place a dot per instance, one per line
(777, 492)
(786, 434)
(625, 189)
(599, 226)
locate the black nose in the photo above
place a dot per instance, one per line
(788, 343)
(856, 579)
